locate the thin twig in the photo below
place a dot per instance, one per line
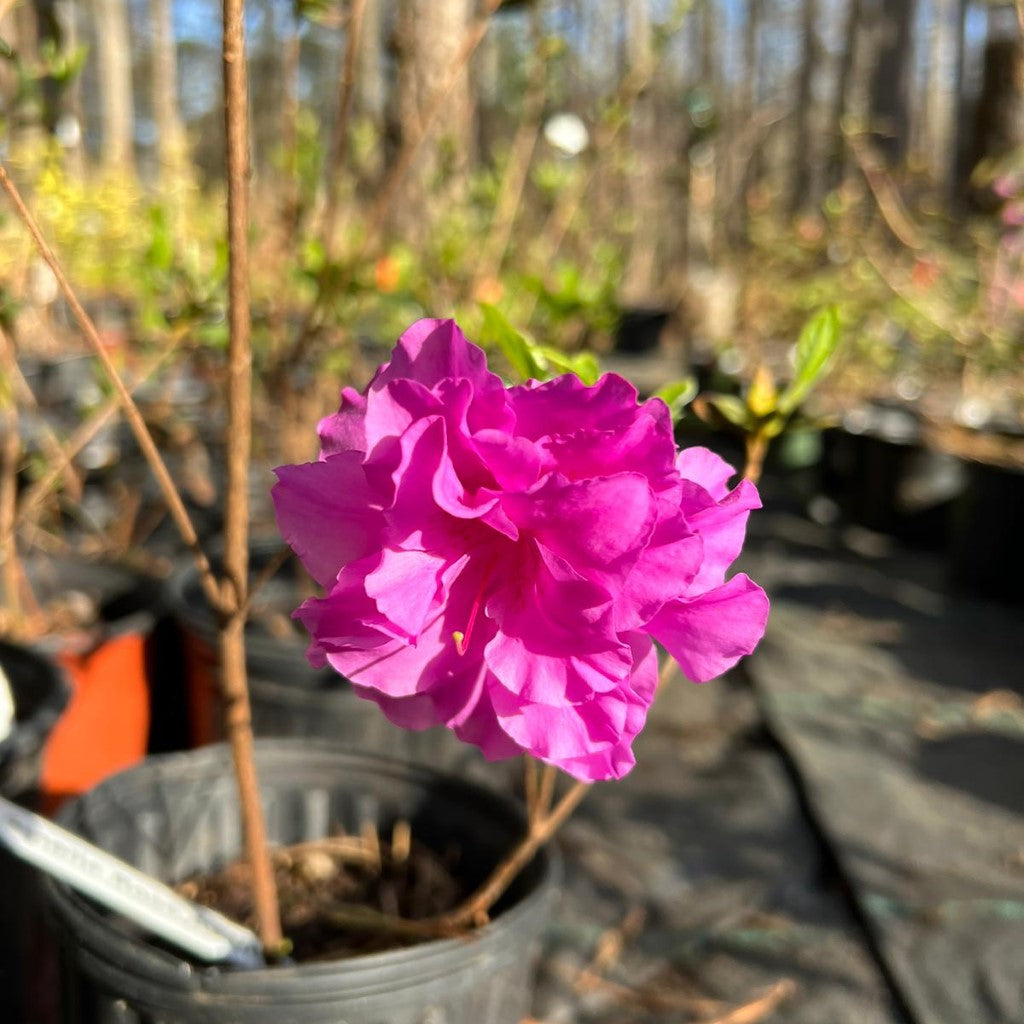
(887, 197)
(26, 399)
(353, 32)
(137, 424)
(1020, 15)
(546, 790)
(530, 786)
(236, 514)
(609, 947)
(520, 156)
(10, 455)
(758, 1009)
(36, 494)
(474, 910)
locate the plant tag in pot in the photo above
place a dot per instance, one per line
(204, 933)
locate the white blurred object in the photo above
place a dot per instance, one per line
(567, 133)
(42, 285)
(68, 131)
(6, 706)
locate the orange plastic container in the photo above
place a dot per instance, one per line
(105, 726)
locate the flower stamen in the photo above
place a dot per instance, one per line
(462, 639)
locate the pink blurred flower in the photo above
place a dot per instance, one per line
(498, 559)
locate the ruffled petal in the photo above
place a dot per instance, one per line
(704, 467)
(665, 570)
(598, 526)
(432, 350)
(722, 526)
(344, 431)
(710, 633)
(326, 513)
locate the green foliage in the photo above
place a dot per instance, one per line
(528, 359)
(678, 394)
(763, 412)
(815, 348)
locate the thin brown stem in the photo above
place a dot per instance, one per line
(340, 141)
(669, 669)
(474, 910)
(546, 790)
(530, 787)
(10, 454)
(23, 397)
(520, 156)
(236, 515)
(886, 195)
(38, 491)
(756, 449)
(170, 493)
(758, 1009)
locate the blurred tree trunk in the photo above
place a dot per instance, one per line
(643, 186)
(945, 44)
(709, 158)
(291, 198)
(114, 69)
(804, 186)
(843, 101)
(430, 34)
(18, 29)
(891, 22)
(171, 145)
(999, 116)
(371, 89)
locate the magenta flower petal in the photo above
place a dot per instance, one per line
(325, 512)
(431, 351)
(344, 431)
(707, 469)
(721, 525)
(708, 634)
(599, 526)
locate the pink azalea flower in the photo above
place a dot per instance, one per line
(498, 559)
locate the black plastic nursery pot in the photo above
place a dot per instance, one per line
(986, 549)
(178, 814)
(40, 692)
(883, 476)
(288, 696)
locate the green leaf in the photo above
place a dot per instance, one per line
(583, 364)
(773, 425)
(516, 346)
(814, 348)
(730, 409)
(678, 394)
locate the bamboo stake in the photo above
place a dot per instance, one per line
(236, 513)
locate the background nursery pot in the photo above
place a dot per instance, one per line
(178, 814)
(287, 695)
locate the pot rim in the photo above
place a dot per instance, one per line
(110, 947)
